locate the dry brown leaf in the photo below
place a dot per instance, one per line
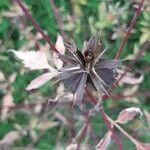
(104, 142)
(33, 59)
(128, 114)
(6, 103)
(40, 80)
(10, 138)
(61, 48)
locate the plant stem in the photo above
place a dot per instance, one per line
(108, 124)
(124, 132)
(110, 127)
(78, 138)
(59, 20)
(130, 66)
(137, 13)
(37, 26)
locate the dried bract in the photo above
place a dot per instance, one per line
(81, 68)
(88, 66)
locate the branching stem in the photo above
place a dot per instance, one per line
(129, 29)
(124, 132)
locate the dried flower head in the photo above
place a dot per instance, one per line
(88, 66)
(80, 68)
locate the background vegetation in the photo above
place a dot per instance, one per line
(42, 126)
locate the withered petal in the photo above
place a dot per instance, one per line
(101, 73)
(72, 82)
(98, 82)
(107, 75)
(67, 74)
(76, 84)
(108, 64)
(81, 87)
(68, 59)
(70, 67)
(94, 45)
(73, 50)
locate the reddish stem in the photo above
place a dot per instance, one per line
(37, 26)
(83, 132)
(129, 30)
(59, 20)
(130, 66)
(116, 139)
(108, 124)
(118, 97)
(31, 105)
(106, 97)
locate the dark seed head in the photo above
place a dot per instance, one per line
(88, 66)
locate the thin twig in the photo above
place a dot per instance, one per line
(93, 134)
(78, 138)
(71, 121)
(109, 121)
(130, 66)
(129, 29)
(109, 126)
(116, 139)
(119, 96)
(124, 132)
(32, 105)
(82, 134)
(36, 25)
(58, 19)
(114, 97)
